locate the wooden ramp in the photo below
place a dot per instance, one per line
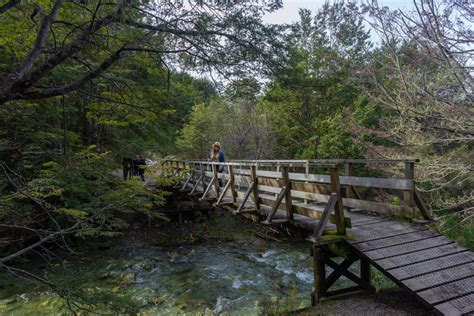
(437, 270)
(433, 268)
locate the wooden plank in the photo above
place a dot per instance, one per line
(318, 178)
(242, 179)
(415, 257)
(393, 241)
(269, 174)
(382, 230)
(383, 183)
(243, 172)
(276, 222)
(368, 222)
(460, 306)
(420, 268)
(413, 246)
(448, 291)
(269, 189)
(324, 189)
(247, 211)
(438, 278)
(310, 196)
(387, 209)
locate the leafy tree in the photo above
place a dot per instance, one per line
(304, 98)
(56, 47)
(421, 75)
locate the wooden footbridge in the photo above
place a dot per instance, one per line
(377, 220)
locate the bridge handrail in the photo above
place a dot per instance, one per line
(313, 162)
(307, 186)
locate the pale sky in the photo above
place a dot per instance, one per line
(289, 12)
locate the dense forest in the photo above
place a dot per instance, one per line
(84, 84)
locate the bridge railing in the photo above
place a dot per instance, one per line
(304, 187)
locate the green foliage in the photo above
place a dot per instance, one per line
(196, 136)
(82, 188)
(307, 99)
(458, 229)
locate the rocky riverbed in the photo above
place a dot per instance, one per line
(221, 265)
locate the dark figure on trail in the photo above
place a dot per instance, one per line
(136, 159)
(139, 165)
(127, 164)
(217, 155)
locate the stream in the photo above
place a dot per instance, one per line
(236, 275)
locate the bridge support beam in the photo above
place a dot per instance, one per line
(322, 258)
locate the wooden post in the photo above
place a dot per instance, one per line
(287, 184)
(348, 172)
(408, 195)
(232, 183)
(253, 170)
(307, 173)
(193, 170)
(319, 275)
(339, 209)
(365, 271)
(203, 179)
(216, 179)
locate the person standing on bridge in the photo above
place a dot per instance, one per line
(217, 155)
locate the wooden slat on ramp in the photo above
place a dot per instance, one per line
(431, 265)
(394, 241)
(437, 278)
(413, 246)
(438, 271)
(461, 306)
(418, 256)
(448, 292)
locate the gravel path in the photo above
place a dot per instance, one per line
(386, 302)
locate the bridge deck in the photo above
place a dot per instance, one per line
(439, 272)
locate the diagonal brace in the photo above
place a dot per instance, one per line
(246, 196)
(277, 203)
(224, 190)
(351, 276)
(185, 185)
(318, 231)
(195, 185)
(207, 189)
